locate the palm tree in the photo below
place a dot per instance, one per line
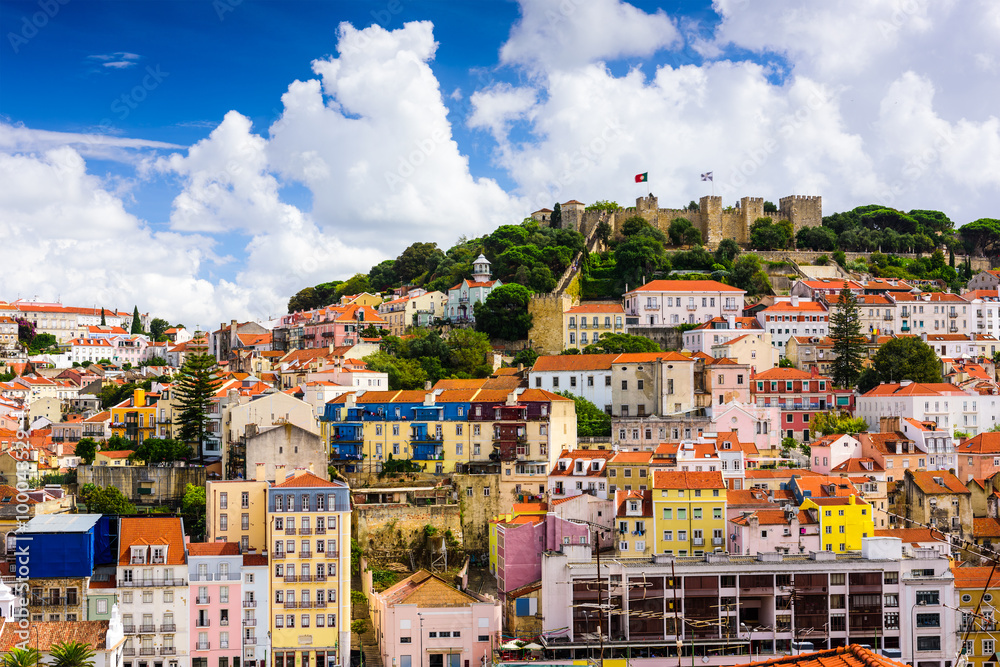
(72, 654)
(21, 657)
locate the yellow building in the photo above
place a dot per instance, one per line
(236, 511)
(309, 532)
(689, 511)
(629, 471)
(135, 418)
(589, 322)
(970, 584)
(117, 459)
(634, 523)
(843, 521)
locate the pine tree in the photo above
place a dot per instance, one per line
(194, 389)
(104, 321)
(136, 322)
(848, 343)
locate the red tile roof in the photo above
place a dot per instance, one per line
(851, 655)
(687, 286)
(46, 634)
(685, 479)
(976, 577)
(597, 308)
(927, 482)
(145, 531)
(305, 480)
(984, 443)
(213, 549)
(574, 362)
(254, 560)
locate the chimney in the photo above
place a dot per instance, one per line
(261, 474)
(889, 424)
(795, 301)
(427, 385)
(331, 348)
(279, 472)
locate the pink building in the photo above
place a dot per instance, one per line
(784, 531)
(831, 450)
(339, 325)
(425, 622)
(728, 382)
(521, 542)
(215, 575)
(979, 457)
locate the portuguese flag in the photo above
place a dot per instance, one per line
(642, 178)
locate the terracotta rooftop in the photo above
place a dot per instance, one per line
(852, 655)
(686, 286)
(306, 480)
(423, 589)
(254, 560)
(574, 362)
(683, 479)
(45, 634)
(938, 481)
(213, 549)
(147, 531)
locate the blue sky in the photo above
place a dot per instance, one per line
(160, 128)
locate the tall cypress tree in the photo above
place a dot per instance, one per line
(104, 322)
(194, 389)
(555, 220)
(136, 322)
(848, 343)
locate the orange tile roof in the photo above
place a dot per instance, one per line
(685, 479)
(622, 497)
(574, 362)
(213, 549)
(739, 497)
(305, 480)
(978, 577)
(46, 634)
(777, 373)
(120, 454)
(984, 443)
(649, 357)
(540, 396)
(914, 389)
(765, 518)
(597, 308)
(986, 527)
(152, 531)
(529, 508)
(254, 560)
(631, 457)
(804, 306)
(926, 481)
(852, 655)
(686, 286)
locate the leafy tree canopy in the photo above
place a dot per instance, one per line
(158, 328)
(193, 508)
(504, 313)
(105, 500)
(591, 422)
(615, 343)
(828, 423)
(162, 450)
(907, 358)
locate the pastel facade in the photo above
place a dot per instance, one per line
(794, 317)
(801, 396)
(689, 510)
(672, 302)
(463, 297)
(236, 511)
(215, 595)
(588, 323)
(948, 406)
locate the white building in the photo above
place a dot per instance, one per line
(153, 591)
(933, 440)
(256, 608)
(463, 297)
(666, 302)
(794, 316)
(585, 375)
(720, 330)
(985, 305)
(580, 471)
(948, 406)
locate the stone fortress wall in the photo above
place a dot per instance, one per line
(711, 219)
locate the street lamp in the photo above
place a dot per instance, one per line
(421, 616)
(913, 633)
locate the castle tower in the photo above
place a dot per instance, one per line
(710, 219)
(802, 210)
(751, 208)
(649, 209)
(481, 269)
(572, 215)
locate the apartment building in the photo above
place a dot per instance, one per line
(580, 471)
(309, 524)
(794, 316)
(979, 457)
(633, 518)
(255, 624)
(801, 396)
(976, 589)
(673, 302)
(588, 376)
(216, 577)
(236, 511)
(589, 322)
(732, 606)
(948, 406)
(419, 308)
(152, 579)
(689, 512)
(843, 522)
(985, 305)
(720, 330)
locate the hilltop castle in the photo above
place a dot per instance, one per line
(714, 222)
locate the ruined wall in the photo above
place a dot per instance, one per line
(668, 338)
(546, 311)
(159, 485)
(388, 526)
(477, 508)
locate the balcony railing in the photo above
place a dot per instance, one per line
(321, 531)
(333, 554)
(291, 604)
(168, 650)
(168, 627)
(224, 622)
(305, 554)
(717, 541)
(203, 623)
(147, 650)
(691, 306)
(887, 318)
(249, 641)
(250, 622)
(147, 628)
(203, 646)
(278, 554)
(249, 604)
(305, 578)
(128, 629)
(138, 583)
(290, 578)
(290, 531)
(203, 600)
(698, 541)
(305, 531)
(128, 651)
(319, 577)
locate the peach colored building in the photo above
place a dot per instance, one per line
(979, 457)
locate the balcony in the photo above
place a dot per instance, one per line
(290, 531)
(129, 629)
(278, 554)
(168, 650)
(249, 641)
(953, 328)
(717, 541)
(249, 604)
(291, 604)
(250, 622)
(290, 578)
(147, 650)
(305, 531)
(333, 554)
(128, 651)
(698, 541)
(319, 577)
(305, 554)
(732, 307)
(203, 646)
(203, 600)
(321, 531)
(887, 318)
(952, 313)
(305, 578)
(224, 622)
(140, 583)
(692, 307)
(905, 327)
(168, 627)
(147, 629)
(203, 623)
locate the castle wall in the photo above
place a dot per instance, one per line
(547, 321)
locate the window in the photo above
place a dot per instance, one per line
(406, 640)
(932, 643)
(988, 647)
(928, 620)
(928, 597)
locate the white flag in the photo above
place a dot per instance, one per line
(707, 176)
